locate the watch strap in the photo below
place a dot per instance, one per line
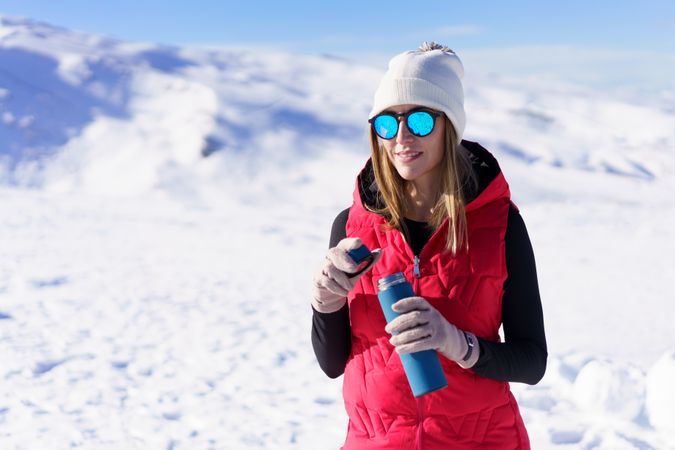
(470, 344)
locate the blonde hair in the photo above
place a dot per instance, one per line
(456, 172)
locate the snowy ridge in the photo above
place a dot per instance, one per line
(69, 100)
(162, 211)
(156, 108)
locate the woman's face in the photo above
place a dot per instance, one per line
(414, 157)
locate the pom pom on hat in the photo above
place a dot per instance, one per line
(430, 76)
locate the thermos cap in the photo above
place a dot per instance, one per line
(391, 280)
(360, 254)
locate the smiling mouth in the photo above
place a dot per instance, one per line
(406, 156)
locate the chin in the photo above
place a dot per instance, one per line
(407, 175)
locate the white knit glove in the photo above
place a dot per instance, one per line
(421, 327)
(333, 280)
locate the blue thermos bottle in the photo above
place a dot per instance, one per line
(423, 369)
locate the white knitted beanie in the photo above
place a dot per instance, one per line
(430, 76)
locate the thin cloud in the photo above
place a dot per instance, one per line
(435, 33)
(458, 30)
(598, 67)
(448, 32)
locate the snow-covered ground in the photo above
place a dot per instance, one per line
(162, 211)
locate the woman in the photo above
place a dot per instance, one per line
(437, 208)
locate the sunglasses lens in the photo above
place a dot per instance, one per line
(420, 123)
(386, 126)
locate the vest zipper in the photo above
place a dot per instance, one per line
(420, 415)
(420, 427)
(416, 267)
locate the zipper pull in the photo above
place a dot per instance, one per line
(416, 267)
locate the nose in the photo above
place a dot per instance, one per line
(403, 133)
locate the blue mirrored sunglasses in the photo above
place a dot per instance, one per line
(419, 122)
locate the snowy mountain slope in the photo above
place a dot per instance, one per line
(155, 277)
(64, 92)
(164, 106)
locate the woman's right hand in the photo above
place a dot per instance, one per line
(334, 279)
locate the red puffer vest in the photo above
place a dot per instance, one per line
(473, 411)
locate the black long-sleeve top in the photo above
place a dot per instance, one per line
(522, 355)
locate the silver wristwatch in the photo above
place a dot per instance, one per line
(470, 342)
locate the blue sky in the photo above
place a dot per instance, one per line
(576, 33)
(341, 27)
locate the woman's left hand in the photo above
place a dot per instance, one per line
(421, 327)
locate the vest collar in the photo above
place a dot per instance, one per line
(491, 182)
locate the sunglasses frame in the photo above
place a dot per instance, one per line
(405, 115)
